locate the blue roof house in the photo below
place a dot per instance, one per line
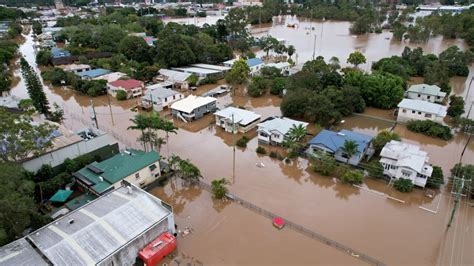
(332, 143)
(255, 64)
(94, 73)
(58, 52)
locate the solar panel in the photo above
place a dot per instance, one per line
(94, 169)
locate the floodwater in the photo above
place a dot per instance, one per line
(395, 231)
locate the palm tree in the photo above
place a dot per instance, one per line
(189, 171)
(297, 132)
(290, 50)
(157, 142)
(168, 127)
(141, 123)
(350, 148)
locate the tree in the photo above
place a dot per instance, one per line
(188, 171)
(236, 23)
(218, 188)
(293, 139)
(168, 127)
(37, 28)
(140, 122)
(456, 106)
(430, 128)
(356, 58)
(278, 86)
(43, 58)
(383, 138)
(436, 179)
(239, 73)
(353, 177)
(350, 148)
(335, 63)
(258, 87)
(21, 138)
(465, 171)
(290, 50)
(174, 51)
(403, 185)
(325, 164)
(57, 115)
(135, 48)
(35, 88)
(375, 169)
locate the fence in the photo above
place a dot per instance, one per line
(305, 231)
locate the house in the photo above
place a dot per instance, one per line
(420, 110)
(255, 64)
(134, 166)
(178, 79)
(274, 130)
(109, 230)
(193, 107)
(332, 143)
(11, 103)
(223, 69)
(236, 120)
(76, 68)
(159, 97)
(111, 76)
(200, 72)
(150, 40)
(58, 52)
(425, 92)
(403, 160)
(94, 73)
(133, 87)
(284, 67)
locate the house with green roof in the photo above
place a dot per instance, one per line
(134, 166)
(425, 92)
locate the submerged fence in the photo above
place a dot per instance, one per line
(305, 231)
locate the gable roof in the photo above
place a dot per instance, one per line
(335, 140)
(94, 73)
(407, 155)
(241, 116)
(102, 175)
(156, 91)
(174, 75)
(254, 62)
(427, 89)
(424, 106)
(58, 52)
(128, 84)
(192, 102)
(282, 125)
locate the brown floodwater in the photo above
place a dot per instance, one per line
(397, 232)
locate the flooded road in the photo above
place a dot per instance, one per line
(395, 231)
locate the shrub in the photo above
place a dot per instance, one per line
(430, 128)
(403, 185)
(218, 188)
(325, 165)
(375, 169)
(121, 95)
(273, 154)
(456, 106)
(242, 142)
(192, 80)
(353, 177)
(261, 150)
(436, 179)
(208, 80)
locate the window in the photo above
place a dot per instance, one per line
(275, 135)
(419, 113)
(174, 97)
(152, 167)
(428, 115)
(406, 173)
(413, 112)
(137, 175)
(419, 95)
(428, 97)
(393, 167)
(166, 99)
(404, 110)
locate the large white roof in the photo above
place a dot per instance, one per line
(406, 155)
(282, 125)
(174, 75)
(192, 102)
(198, 70)
(111, 77)
(424, 106)
(241, 116)
(427, 89)
(213, 67)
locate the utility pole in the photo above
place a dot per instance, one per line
(110, 109)
(233, 147)
(94, 115)
(314, 47)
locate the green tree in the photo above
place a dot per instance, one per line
(258, 87)
(37, 28)
(188, 171)
(430, 128)
(140, 122)
(290, 50)
(218, 188)
(168, 127)
(174, 51)
(236, 23)
(239, 73)
(356, 58)
(135, 48)
(350, 148)
(375, 169)
(403, 185)
(383, 138)
(456, 106)
(121, 95)
(436, 179)
(43, 58)
(35, 88)
(278, 86)
(353, 177)
(325, 164)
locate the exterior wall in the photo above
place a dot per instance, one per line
(136, 92)
(226, 124)
(393, 171)
(72, 151)
(112, 90)
(274, 138)
(424, 97)
(165, 102)
(197, 112)
(146, 176)
(405, 115)
(255, 69)
(338, 155)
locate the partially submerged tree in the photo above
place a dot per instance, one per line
(218, 188)
(356, 58)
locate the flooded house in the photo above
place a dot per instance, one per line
(113, 76)
(234, 120)
(93, 73)
(255, 64)
(58, 52)
(177, 79)
(193, 107)
(403, 160)
(110, 230)
(76, 68)
(274, 129)
(132, 87)
(331, 142)
(158, 97)
(136, 167)
(284, 67)
(409, 109)
(425, 92)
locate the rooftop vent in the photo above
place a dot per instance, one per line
(101, 178)
(127, 152)
(70, 221)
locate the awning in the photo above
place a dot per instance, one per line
(61, 195)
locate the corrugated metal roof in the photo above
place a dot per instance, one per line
(94, 73)
(424, 106)
(192, 102)
(335, 140)
(282, 125)
(241, 116)
(427, 89)
(20, 253)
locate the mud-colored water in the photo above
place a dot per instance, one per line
(394, 232)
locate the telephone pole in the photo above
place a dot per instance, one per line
(110, 109)
(94, 115)
(314, 46)
(233, 147)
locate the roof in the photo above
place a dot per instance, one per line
(335, 140)
(213, 67)
(61, 195)
(282, 125)
(241, 116)
(254, 62)
(280, 65)
(128, 84)
(157, 92)
(93, 232)
(192, 102)
(94, 73)
(20, 253)
(72, 67)
(111, 76)
(424, 106)
(407, 155)
(10, 102)
(198, 70)
(80, 201)
(58, 52)
(102, 175)
(427, 89)
(174, 75)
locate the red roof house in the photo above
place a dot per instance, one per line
(133, 87)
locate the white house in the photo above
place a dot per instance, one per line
(76, 68)
(112, 76)
(178, 79)
(284, 67)
(132, 87)
(274, 130)
(236, 120)
(255, 64)
(409, 109)
(425, 92)
(403, 160)
(160, 97)
(193, 107)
